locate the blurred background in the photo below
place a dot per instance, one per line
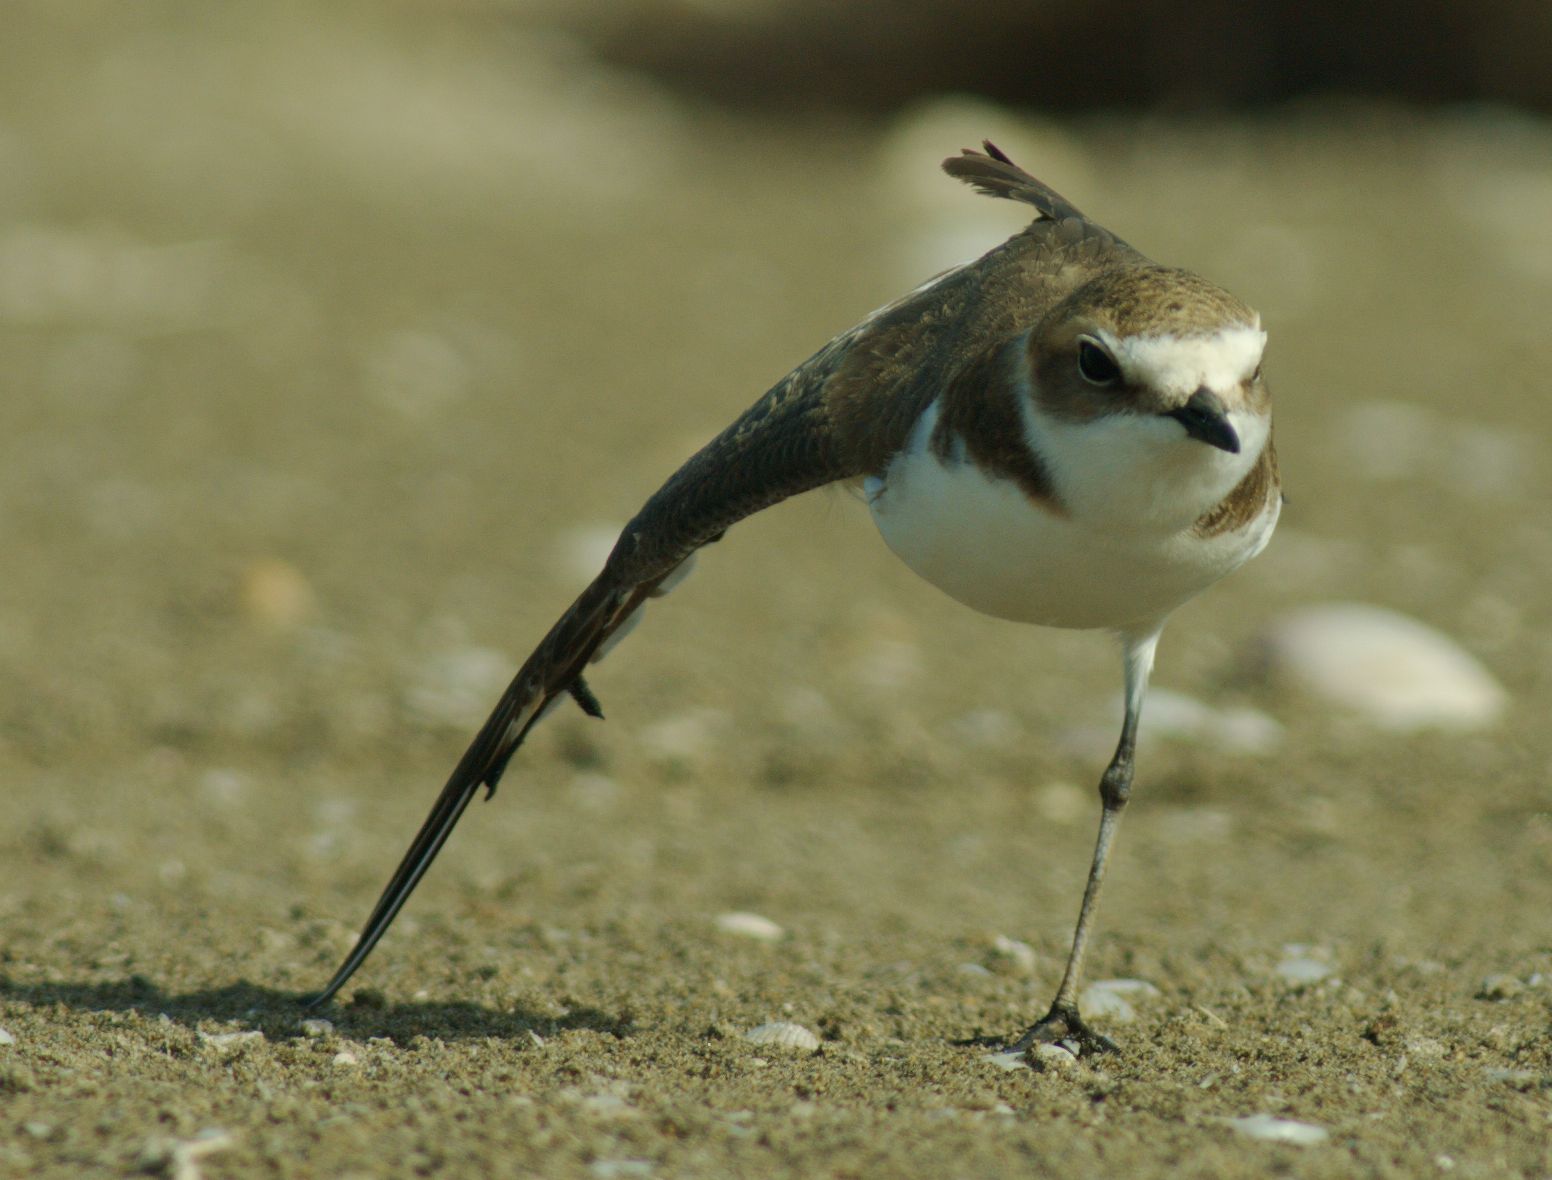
(337, 341)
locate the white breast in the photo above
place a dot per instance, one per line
(1122, 555)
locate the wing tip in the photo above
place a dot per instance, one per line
(991, 171)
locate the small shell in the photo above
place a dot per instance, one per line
(1053, 1057)
(1302, 965)
(1011, 956)
(783, 1034)
(1383, 666)
(1100, 1002)
(231, 1042)
(747, 925)
(1007, 1061)
(1276, 1130)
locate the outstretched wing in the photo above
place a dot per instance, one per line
(780, 446)
(842, 414)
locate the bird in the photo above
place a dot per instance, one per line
(1060, 432)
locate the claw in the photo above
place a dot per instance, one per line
(1062, 1023)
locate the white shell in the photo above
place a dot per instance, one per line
(1303, 966)
(1054, 1057)
(1012, 955)
(1236, 729)
(747, 925)
(1276, 1130)
(1112, 999)
(232, 1041)
(1009, 1061)
(783, 1034)
(1382, 665)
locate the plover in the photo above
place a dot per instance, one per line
(1060, 432)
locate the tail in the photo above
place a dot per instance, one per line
(604, 609)
(995, 175)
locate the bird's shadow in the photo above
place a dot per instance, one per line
(279, 1015)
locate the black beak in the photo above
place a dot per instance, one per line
(1205, 418)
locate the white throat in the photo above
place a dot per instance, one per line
(1141, 473)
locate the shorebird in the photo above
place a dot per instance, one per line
(1059, 432)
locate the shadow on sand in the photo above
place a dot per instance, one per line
(279, 1014)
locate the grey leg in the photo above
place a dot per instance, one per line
(1063, 1021)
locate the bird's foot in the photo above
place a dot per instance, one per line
(1063, 1026)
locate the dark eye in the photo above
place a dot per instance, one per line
(1097, 366)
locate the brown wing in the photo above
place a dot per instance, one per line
(841, 414)
(995, 175)
(780, 446)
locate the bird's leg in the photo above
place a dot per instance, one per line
(1063, 1022)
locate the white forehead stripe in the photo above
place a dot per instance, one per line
(1183, 364)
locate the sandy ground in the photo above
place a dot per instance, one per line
(332, 352)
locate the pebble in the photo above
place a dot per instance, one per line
(1501, 987)
(1482, 461)
(453, 685)
(747, 925)
(232, 1041)
(594, 792)
(1302, 966)
(783, 1034)
(346, 1057)
(1112, 999)
(1054, 1057)
(1011, 955)
(318, 1028)
(178, 1159)
(1237, 729)
(1383, 666)
(887, 663)
(1009, 1061)
(811, 716)
(416, 374)
(1099, 1004)
(274, 593)
(605, 1106)
(6, 1038)
(985, 729)
(1275, 1130)
(689, 737)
